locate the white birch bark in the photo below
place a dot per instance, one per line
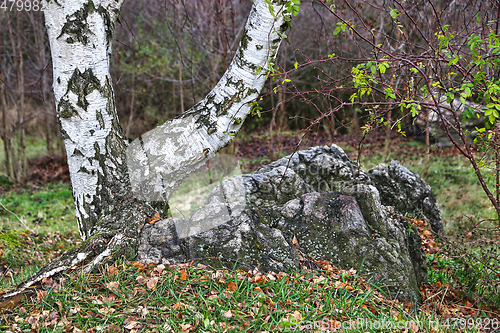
(163, 157)
(80, 34)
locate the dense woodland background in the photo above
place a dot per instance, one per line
(168, 54)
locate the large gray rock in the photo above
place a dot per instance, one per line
(321, 198)
(407, 192)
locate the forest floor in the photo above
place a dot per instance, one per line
(463, 293)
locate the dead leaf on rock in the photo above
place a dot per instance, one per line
(155, 218)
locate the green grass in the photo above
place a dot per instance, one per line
(49, 207)
(36, 225)
(127, 297)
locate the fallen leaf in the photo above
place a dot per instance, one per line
(155, 218)
(186, 328)
(138, 290)
(113, 270)
(319, 280)
(139, 265)
(232, 286)
(183, 275)
(74, 311)
(412, 326)
(53, 315)
(40, 295)
(113, 285)
(132, 324)
(160, 269)
(228, 314)
(258, 278)
(178, 306)
(152, 283)
(294, 240)
(106, 310)
(141, 279)
(294, 317)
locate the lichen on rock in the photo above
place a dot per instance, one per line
(322, 199)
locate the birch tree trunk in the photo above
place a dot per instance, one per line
(116, 185)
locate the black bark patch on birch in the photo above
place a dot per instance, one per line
(83, 84)
(109, 26)
(65, 109)
(100, 119)
(245, 39)
(76, 26)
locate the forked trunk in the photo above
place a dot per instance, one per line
(114, 184)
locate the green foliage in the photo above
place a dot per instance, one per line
(256, 108)
(10, 239)
(293, 7)
(394, 13)
(468, 75)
